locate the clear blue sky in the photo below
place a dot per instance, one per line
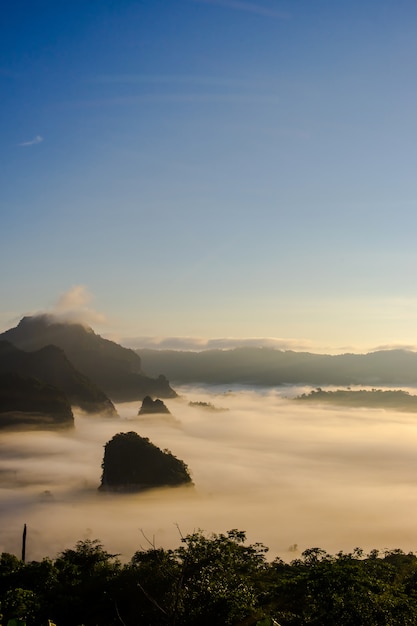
(212, 168)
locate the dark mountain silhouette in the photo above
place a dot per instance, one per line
(28, 402)
(133, 463)
(269, 367)
(150, 406)
(111, 367)
(51, 366)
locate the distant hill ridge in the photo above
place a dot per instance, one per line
(271, 367)
(113, 368)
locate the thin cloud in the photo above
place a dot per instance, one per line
(248, 7)
(198, 344)
(76, 297)
(32, 142)
(175, 79)
(74, 306)
(184, 89)
(396, 346)
(182, 98)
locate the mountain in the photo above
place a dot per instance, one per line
(28, 402)
(133, 463)
(149, 407)
(270, 367)
(116, 370)
(51, 366)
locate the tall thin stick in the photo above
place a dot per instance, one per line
(24, 544)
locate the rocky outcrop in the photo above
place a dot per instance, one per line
(150, 407)
(113, 368)
(29, 403)
(133, 463)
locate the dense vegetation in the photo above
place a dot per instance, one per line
(51, 366)
(206, 405)
(386, 399)
(28, 402)
(133, 463)
(208, 580)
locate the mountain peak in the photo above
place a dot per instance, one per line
(113, 368)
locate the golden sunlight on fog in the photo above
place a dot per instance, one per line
(285, 474)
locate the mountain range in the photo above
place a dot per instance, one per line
(270, 367)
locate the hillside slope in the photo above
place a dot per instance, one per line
(111, 367)
(51, 366)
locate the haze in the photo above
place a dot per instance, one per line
(287, 475)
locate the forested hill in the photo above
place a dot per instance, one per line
(269, 367)
(397, 399)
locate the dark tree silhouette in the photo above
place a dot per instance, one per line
(133, 463)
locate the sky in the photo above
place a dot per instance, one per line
(206, 169)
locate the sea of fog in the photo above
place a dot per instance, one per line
(293, 477)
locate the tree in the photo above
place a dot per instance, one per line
(86, 585)
(208, 579)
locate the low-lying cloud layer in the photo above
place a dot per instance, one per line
(220, 343)
(285, 474)
(198, 344)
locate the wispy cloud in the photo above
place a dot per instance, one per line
(32, 142)
(74, 306)
(198, 344)
(248, 7)
(182, 98)
(182, 79)
(184, 89)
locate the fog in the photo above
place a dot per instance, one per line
(291, 476)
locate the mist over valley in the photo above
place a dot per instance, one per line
(293, 466)
(292, 477)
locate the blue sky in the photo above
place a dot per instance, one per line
(212, 168)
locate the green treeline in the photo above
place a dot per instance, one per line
(396, 399)
(207, 580)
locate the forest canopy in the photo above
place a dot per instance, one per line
(210, 579)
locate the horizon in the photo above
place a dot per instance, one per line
(197, 344)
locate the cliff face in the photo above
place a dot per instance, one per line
(51, 366)
(133, 463)
(111, 367)
(29, 403)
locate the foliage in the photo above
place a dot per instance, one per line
(396, 399)
(132, 462)
(214, 579)
(31, 402)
